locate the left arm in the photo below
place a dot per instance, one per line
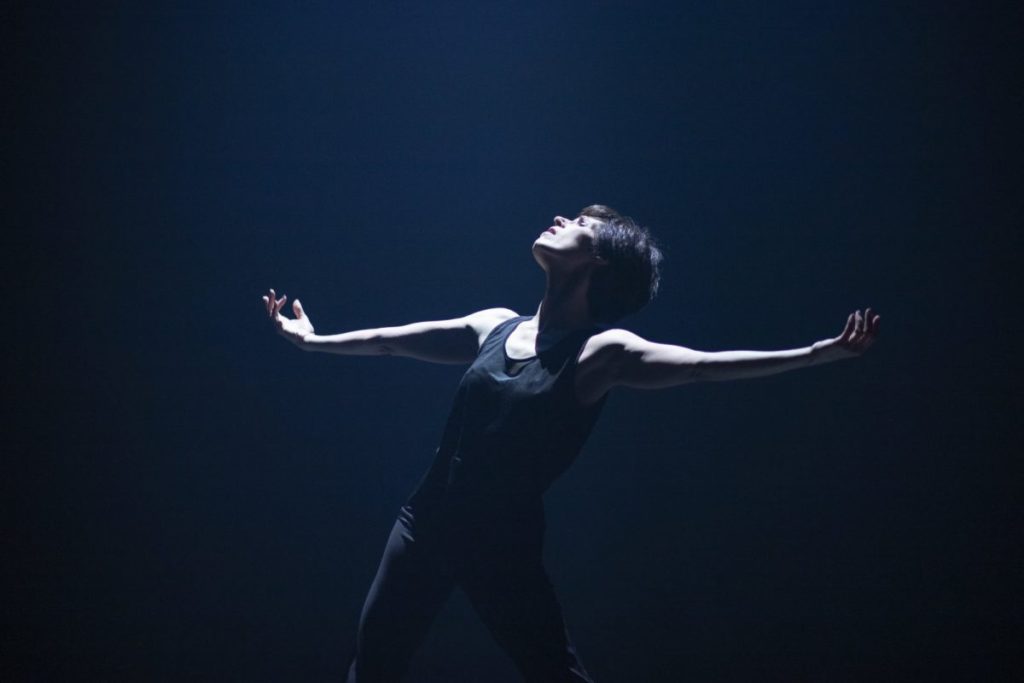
(629, 360)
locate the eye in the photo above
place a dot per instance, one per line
(580, 220)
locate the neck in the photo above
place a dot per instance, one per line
(564, 306)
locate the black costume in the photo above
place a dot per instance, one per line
(476, 519)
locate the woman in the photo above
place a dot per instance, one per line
(521, 414)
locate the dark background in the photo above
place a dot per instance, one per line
(187, 496)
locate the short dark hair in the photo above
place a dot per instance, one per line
(630, 278)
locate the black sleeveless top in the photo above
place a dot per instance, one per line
(515, 426)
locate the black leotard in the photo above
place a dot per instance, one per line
(515, 426)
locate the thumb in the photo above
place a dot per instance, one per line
(297, 307)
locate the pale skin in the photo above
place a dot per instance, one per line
(614, 357)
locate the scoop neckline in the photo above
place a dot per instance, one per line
(504, 343)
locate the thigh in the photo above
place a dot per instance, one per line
(406, 594)
(517, 602)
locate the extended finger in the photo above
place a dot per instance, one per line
(870, 328)
(280, 304)
(871, 322)
(848, 329)
(872, 333)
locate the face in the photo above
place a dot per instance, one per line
(567, 243)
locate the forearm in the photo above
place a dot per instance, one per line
(439, 341)
(719, 366)
(355, 343)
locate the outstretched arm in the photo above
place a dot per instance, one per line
(439, 341)
(630, 360)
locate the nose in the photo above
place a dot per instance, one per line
(559, 221)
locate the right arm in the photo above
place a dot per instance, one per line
(456, 340)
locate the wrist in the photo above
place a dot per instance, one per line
(821, 351)
(829, 350)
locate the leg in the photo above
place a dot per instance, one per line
(517, 603)
(407, 593)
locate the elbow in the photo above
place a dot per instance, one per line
(377, 343)
(700, 369)
(382, 347)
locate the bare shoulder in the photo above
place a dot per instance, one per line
(619, 347)
(601, 355)
(483, 322)
(608, 343)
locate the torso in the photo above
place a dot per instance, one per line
(517, 422)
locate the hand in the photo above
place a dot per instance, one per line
(295, 330)
(860, 333)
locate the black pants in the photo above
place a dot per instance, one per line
(501, 573)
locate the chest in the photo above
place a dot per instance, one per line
(589, 381)
(521, 343)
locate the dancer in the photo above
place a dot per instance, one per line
(523, 409)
